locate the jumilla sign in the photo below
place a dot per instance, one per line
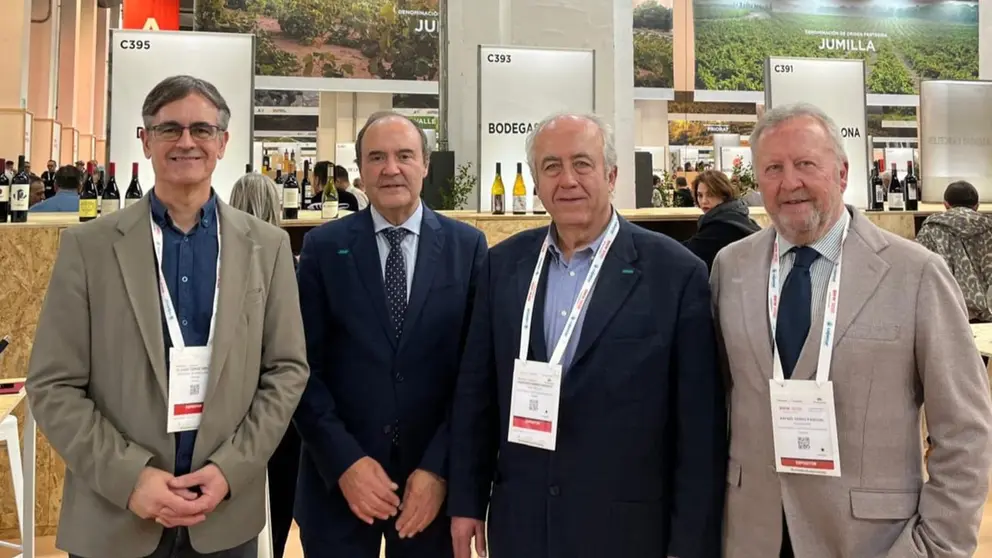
(846, 41)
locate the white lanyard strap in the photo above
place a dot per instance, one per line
(829, 313)
(170, 310)
(580, 300)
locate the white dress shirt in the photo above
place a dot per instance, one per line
(408, 245)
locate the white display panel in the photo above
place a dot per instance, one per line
(729, 154)
(519, 87)
(838, 88)
(57, 143)
(139, 60)
(344, 155)
(659, 158)
(955, 137)
(900, 156)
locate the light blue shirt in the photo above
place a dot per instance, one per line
(564, 283)
(62, 201)
(408, 244)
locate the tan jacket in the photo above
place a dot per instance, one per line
(97, 379)
(902, 339)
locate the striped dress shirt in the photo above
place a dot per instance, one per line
(829, 248)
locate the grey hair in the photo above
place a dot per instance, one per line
(605, 131)
(257, 195)
(176, 88)
(784, 113)
(425, 148)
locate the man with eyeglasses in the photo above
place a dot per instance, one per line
(173, 355)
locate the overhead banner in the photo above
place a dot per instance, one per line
(556, 80)
(901, 41)
(955, 137)
(837, 87)
(150, 15)
(139, 60)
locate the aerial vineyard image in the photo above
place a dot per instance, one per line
(902, 43)
(384, 39)
(653, 61)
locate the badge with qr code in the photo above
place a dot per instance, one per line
(805, 428)
(188, 373)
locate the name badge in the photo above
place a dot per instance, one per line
(188, 372)
(534, 402)
(805, 428)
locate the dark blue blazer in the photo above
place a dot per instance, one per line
(640, 465)
(367, 394)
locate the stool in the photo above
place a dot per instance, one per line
(9, 436)
(265, 537)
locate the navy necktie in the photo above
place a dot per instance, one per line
(395, 278)
(794, 309)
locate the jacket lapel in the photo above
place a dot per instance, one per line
(365, 253)
(236, 255)
(431, 243)
(754, 300)
(136, 258)
(538, 349)
(862, 271)
(616, 279)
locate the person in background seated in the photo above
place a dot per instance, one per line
(68, 180)
(357, 183)
(37, 191)
(725, 217)
(388, 294)
(322, 172)
(963, 237)
(344, 187)
(257, 194)
(683, 195)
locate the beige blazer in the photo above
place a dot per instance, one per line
(97, 379)
(902, 339)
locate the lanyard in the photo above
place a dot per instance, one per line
(170, 310)
(580, 300)
(829, 313)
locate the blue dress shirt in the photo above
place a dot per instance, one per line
(62, 201)
(564, 283)
(189, 262)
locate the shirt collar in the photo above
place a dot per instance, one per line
(590, 249)
(160, 213)
(829, 245)
(412, 224)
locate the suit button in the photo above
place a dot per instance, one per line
(388, 429)
(400, 378)
(553, 490)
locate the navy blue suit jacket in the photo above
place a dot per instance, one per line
(369, 395)
(640, 465)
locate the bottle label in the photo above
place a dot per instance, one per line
(87, 208)
(5, 193)
(895, 200)
(520, 204)
(19, 197)
(911, 193)
(290, 198)
(109, 205)
(131, 201)
(498, 204)
(329, 209)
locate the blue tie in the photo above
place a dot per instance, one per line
(794, 309)
(395, 278)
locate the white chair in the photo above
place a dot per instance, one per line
(265, 537)
(10, 436)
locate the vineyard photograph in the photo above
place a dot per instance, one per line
(371, 39)
(921, 39)
(700, 133)
(653, 59)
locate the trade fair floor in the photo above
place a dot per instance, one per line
(46, 545)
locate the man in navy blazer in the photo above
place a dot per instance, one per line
(631, 460)
(387, 295)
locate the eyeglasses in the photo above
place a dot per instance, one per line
(170, 131)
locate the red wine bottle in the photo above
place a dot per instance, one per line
(4, 193)
(290, 197)
(20, 194)
(912, 188)
(88, 197)
(305, 184)
(111, 200)
(134, 192)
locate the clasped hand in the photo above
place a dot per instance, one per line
(371, 495)
(170, 500)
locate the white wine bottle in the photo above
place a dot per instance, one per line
(329, 201)
(519, 193)
(499, 192)
(538, 204)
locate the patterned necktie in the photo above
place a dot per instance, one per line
(794, 309)
(395, 277)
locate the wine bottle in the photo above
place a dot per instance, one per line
(329, 203)
(499, 192)
(912, 188)
(291, 198)
(20, 194)
(134, 192)
(248, 168)
(896, 200)
(4, 192)
(538, 204)
(305, 184)
(111, 199)
(88, 197)
(519, 193)
(877, 188)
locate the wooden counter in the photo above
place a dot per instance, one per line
(28, 250)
